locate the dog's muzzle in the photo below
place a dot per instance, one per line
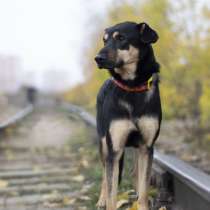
(103, 62)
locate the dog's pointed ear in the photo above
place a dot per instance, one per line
(147, 34)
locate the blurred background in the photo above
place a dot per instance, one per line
(183, 52)
(48, 47)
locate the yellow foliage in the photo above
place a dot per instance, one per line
(205, 104)
(135, 206)
(184, 62)
(3, 184)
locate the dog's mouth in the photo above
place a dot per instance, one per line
(110, 65)
(106, 65)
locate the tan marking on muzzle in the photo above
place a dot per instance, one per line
(130, 59)
(112, 55)
(128, 56)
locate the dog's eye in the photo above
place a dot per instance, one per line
(120, 37)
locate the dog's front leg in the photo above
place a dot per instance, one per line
(115, 140)
(103, 153)
(102, 198)
(144, 170)
(112, 175)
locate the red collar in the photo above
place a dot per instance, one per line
(141, 88)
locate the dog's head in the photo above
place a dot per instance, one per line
(124, 45)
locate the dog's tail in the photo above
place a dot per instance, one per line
(121, 164)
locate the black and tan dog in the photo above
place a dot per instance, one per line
(128, 107)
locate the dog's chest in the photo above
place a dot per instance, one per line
(125, 105)
(134, 104)
(142, 122)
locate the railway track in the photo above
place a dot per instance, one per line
(37, 169)
(20, 115)
(42, 179)
(181, 186)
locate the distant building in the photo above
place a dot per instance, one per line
(10, 73)
(55, 80)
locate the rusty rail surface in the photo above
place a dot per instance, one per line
(181, 186)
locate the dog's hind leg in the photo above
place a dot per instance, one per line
(121, 166)
(134, 172)
(102, 198)
(112, 176)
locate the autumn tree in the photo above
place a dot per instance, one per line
(183, 52)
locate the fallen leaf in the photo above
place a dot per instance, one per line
(85, 163)
(126, 195)
(135, 206)
(13, 193)
(9, 131)
(3, 184)
(162, 208)
(85, 198)
(123, 196)
(82, 208)
(121, 203)
(81, 149)
(9, 154)
(86, 187)
(79, 178)
(53, 197)
(36, 168)
(153, 192)
(50, 205)
(68, 201)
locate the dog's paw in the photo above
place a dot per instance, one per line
(163, 208)
(143, 208)
(101, 203)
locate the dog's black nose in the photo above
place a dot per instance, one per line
(100, 58)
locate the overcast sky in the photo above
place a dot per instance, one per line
(47, 34)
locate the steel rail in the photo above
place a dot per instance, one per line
(17, 117)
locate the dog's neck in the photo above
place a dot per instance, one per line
(145, 67)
